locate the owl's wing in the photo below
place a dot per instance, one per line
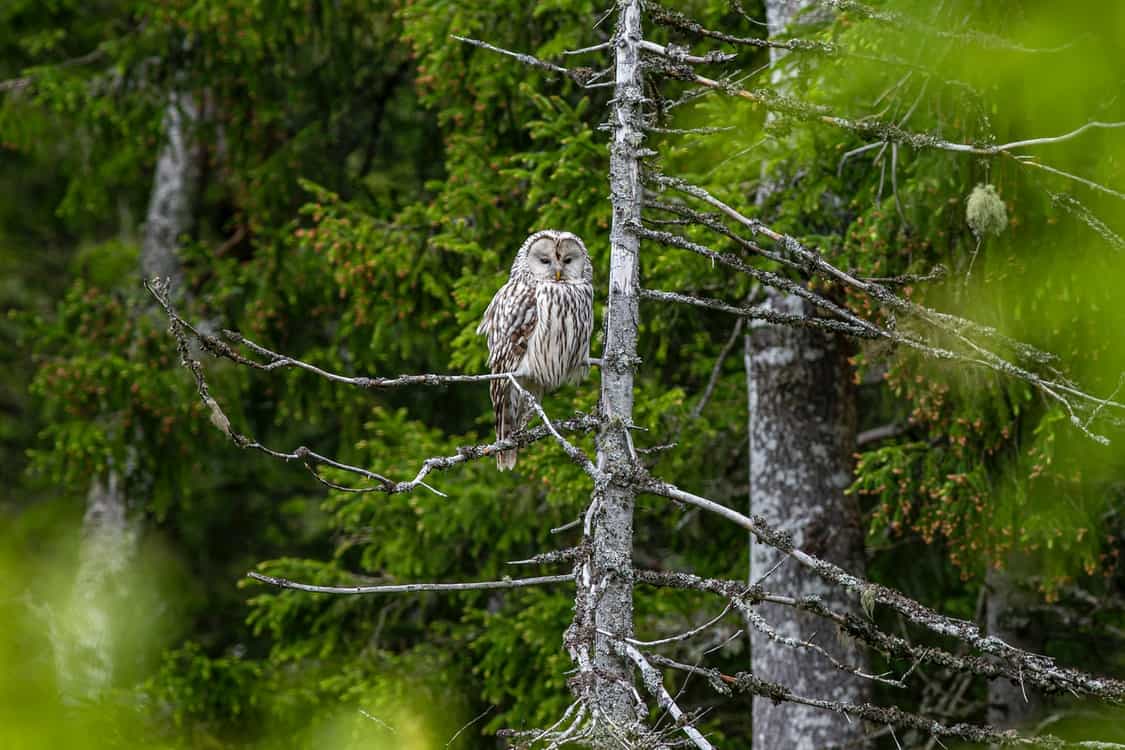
(508, 323)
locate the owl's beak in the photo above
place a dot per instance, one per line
(558, 274)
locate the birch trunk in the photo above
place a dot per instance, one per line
(86, 655)
(611, 517)
(802, 437)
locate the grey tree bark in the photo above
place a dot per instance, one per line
(610, 519)
(1011, 705)
(802, 436)
(85, 650)
(169, 213)
(85, 654)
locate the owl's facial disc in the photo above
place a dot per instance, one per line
(541, 259)
(569, 260)
(559, 260)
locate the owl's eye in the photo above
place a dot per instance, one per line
(545, 261)
(568, 259)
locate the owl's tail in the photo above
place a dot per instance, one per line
(511, 417)
(506, 460)
(506, 421)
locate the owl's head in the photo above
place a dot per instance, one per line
(553, 256)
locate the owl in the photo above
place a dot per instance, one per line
(538, 327)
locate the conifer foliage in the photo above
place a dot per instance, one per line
(952, 207)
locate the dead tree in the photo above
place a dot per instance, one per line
(617, 678)
(85, 658)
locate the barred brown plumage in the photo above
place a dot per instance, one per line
(538, 327)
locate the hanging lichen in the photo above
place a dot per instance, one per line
(985, 212)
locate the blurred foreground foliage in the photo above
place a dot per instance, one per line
(366, 181)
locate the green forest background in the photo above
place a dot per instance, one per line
(365, 182)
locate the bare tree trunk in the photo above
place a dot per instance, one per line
(85, 655)
(802, 437)
(173, 190)
(611, 516)
(84, 644)
(1011, 705)
(802, 434)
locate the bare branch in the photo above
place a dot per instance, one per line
(23, 82)
(472, 721)
(311, 459)
(904, 21)
(403, 588)
(690, 131)
(714, 223)
(218, 348)
(958, 328)
(681, 54)
(1059, 138)
(741, 597)
(760, 313)
(1072, 205)
(988, 667)
(1040, 669)
(567, 526)
(576, 455)
(278, 361)
(889, 132)
(585, 50)
(464, 454)
(686, 634)
(529, 60)
(677, 20)
(759, 623)
(878, 434)
(745, 682)
(554, 556)
(765, 277)
(717, 369)
(1082, 180)
(654, 683)
(937, 273)
(581, 76)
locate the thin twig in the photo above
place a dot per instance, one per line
(581, 76)
(310, 459)
(23, 82)
(575, 454)
(759, 313)
(277, 361)
(717, 370)
(1059, 138)
(469, 724)
(403, 588)
(654, 683)
(585, 50)
(682, 636)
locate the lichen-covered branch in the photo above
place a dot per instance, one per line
(217, 347)
(407, 588)
(654, 683)
(1036, 668)
(962, 332)
(746, 682)
(310, 459)
(759, 313)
